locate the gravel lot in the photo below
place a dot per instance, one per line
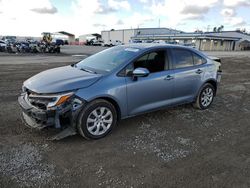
(177, 147)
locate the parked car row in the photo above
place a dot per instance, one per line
(30, 47)
(110, 43)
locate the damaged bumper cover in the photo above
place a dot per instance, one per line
(63, 116)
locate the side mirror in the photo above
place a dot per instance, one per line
(140, 72)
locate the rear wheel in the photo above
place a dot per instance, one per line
(97, 119)
(205, 97)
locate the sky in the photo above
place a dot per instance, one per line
(32, 17)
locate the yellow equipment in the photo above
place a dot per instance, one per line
(47, 37)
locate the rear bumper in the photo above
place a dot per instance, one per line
(218, 78)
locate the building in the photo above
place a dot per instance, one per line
(125, 35)
(70, 38)
(208, 41)
(84, 38)
(242, 44)
(201, 41)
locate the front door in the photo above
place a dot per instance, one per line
(153, 91)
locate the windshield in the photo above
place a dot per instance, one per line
(107, 60)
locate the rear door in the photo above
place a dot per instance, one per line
(189, 69)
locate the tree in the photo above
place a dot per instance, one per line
(220, 28)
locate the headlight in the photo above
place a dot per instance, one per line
(59, 99)
(44, 102)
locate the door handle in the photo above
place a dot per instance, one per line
(168, 77)
(199, 71)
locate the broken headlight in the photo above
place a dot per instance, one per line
(60, 99)
(48, 101)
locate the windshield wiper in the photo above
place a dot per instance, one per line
(87, 70)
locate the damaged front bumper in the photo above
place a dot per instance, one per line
(63, 116)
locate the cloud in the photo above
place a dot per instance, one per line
(117, 5)
(138, 20)
(144, 1)
(99, 25)
(112, 6)
(235, 21)
(41, 13)
(45, 10)
(119, 22)
(228, 12)
(105, 10)
(83, 17)
(236, 3)
(178, 11)
(231, 19)
(195, 10)
(193, 17)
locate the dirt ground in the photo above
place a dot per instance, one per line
(177, 147)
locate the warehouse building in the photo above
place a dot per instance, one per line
(208, 41)
(68, 37)
(242, 44)
(125, 35)
(201, 41)
(84, 38)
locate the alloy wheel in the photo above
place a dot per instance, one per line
(207, 96)
(99, 121)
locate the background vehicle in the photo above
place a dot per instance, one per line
(191, 45)
(49, 44)
(111, 43)
(2, 46)
(97, 43)
(23, 47)
(117, 83)
(10, 39)
(116, 43)
(159, 41)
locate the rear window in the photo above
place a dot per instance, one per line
(182, 58)
(198, 60)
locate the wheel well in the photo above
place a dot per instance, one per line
(112, 101)
(213, 83)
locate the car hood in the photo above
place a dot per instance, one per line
(61, 79)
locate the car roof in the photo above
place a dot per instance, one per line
(152, 46)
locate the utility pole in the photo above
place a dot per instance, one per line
(208, 28)
(159, 23)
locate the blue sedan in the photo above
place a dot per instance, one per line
(89, 97)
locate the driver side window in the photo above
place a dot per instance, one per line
(153, 61)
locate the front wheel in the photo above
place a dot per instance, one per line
(97, 119)
(205, 97)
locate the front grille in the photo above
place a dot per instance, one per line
(39, 101)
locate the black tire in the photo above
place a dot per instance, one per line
(198, 103)
(85, 113)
